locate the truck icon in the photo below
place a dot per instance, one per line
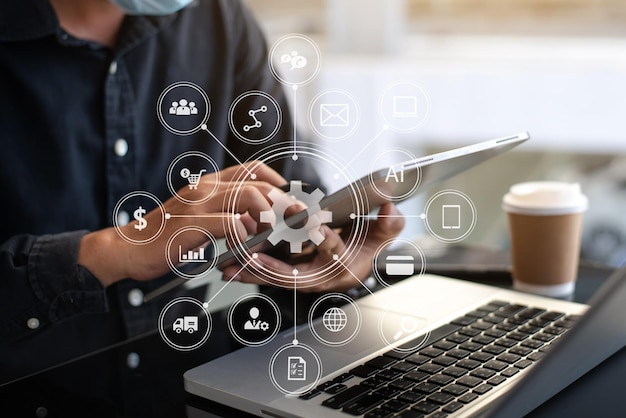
(186, 323)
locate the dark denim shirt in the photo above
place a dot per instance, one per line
(64, 104)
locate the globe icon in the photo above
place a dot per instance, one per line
(335, 319)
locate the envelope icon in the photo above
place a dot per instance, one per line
(334, 114)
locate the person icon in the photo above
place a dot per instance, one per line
(253, 323)
(173, 108)
(183, 109)
(192, 108)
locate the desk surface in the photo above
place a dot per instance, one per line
(91, 387)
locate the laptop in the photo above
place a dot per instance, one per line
(479, 351)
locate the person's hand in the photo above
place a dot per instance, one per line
(111, 258)
(264, 269)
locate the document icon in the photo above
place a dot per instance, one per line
(334, 114)
(297, 368)
(451, 217)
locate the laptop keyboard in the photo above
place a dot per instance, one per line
(460, 362)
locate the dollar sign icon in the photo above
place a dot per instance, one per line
(138, 215)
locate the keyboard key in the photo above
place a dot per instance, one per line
(495, 333)
(508, 358)
(440, 398)
(438, 414)
(458, 353)
(325, 385)
(536, 356)
(552, 316)
(344, 377)
(468, 364)
(483, 373)
(363, 371)
(380, 362)
(456, 390)
(482, 389)
(398, 355)
(528, 329)
(310, 394)
(494, 349)
(482, 339)
(402, 384)
(496, 365)
(431, 352)
(440, 379)
(434, 335)
(468, 397)
(363, 405)
(543, 337)
(496, 380)
(426, 387)
(520, 350)
(454, 371)
(387, 392)
(532, 343)
(464, 320)
(532, 312)
(374, 382)
(522, 364)
(509, 310)
(346, 397)
(410, 414)
(458, 338)
(555, 330)
(444, 345)
(425, 407)
(507, 326)
(517, 336)
(470, 346)
(430, 368)
(469, 381)
(452, 407)
(417, 359)
(482, 325)
(395, 405)
(403, 367)
(469, 331)
(505, 342)
(478, 313)
(379, 413)
(444, 360)
(416, 376)
(389, 374)
(511, 371)
(411, 396)
(493, 319)
(481, 356)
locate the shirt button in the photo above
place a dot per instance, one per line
(121, 147)
(113, 68)
(41, 412)
(123, 218)
(33, 323)
(132, 360)
(135, 297)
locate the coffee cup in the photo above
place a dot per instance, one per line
(545, 222)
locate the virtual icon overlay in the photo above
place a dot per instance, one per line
(397, 259)
(185, 324)
(255, 117)
(131, 221)
(183, 108)
(254, 319)
(295, 369)
(341, 319)
(450, 216)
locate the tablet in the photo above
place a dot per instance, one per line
(376, 189)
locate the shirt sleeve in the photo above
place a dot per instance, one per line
(41, 283)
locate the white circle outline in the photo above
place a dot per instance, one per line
(351, 336)
(188, 300)
(276, 73)
(171, 264)
(390, 123)
(463, 196)
(384, 245)
(398, 349)
(305, 388)
(408, 193)
(119, 204)
(352, 128)
(169, 88)
(244, 254)
(174, 192)
(231, 122)
(231, 312)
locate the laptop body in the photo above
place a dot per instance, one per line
(240, 380)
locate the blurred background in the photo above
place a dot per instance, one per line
(555, 68)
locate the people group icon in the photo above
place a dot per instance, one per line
(254, 323)
(183, 108)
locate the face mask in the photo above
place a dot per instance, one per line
(151, 7)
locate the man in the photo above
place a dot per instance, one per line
(79, 82)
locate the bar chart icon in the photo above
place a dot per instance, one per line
(191, 256)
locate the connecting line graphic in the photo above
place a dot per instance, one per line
(206, 128)
(254, 256)
(295, 305)
(385, 128)
(378, 216)
(295, 134)
(336, 258)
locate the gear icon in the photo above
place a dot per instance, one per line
(296, 236)
(264, 326)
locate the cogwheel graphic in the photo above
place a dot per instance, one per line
(296, 236)
(264, 326)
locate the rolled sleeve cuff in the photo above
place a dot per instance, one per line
(66, 288)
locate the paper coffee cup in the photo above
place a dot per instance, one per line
(545, 221)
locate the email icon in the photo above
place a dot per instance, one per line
(334, 114)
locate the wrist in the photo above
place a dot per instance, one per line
(100, 253)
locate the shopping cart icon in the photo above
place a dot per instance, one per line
(193, 179)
